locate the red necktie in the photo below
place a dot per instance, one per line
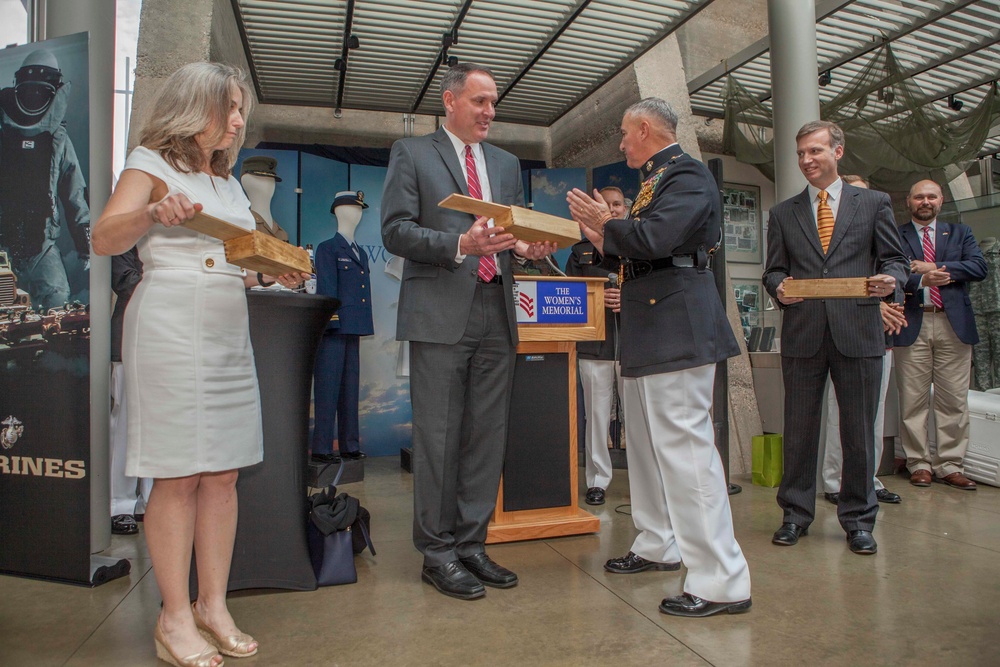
(487, 263)
(929, 257)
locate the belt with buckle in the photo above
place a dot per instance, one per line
(497, 279)
(638, 268)
(932, 309)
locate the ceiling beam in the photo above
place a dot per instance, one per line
(344, 51)
(442, 55)
(581, 5)
(760, 47)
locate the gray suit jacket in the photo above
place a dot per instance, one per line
(436, 294)
(864, 243)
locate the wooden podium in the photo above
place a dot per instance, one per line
(538, 490)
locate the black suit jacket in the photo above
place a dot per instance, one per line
(864, 243)
(126, 272)
(671, 319)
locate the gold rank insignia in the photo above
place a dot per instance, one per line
(649, 165)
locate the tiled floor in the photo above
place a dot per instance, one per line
(931, 596)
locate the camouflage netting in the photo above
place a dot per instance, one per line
(893, 136)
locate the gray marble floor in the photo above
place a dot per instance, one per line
(931, 596)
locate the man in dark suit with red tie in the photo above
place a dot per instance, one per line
(831, 230)
(936, 345)
(456, 307)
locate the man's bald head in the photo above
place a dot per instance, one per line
(924, 201)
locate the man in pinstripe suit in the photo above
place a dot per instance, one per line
(831, 230)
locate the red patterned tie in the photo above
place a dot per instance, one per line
(929, 257)
(487, 263)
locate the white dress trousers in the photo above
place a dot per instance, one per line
(128, 494)
(680, 501)
(833, 458)
(598, 378)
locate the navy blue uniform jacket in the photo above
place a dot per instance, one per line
(342, 275)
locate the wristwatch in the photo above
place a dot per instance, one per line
(261, 281)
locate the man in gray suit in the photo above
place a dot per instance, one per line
(831, 230)
(456, 307)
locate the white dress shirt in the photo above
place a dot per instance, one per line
(832, 198)
(484, 182)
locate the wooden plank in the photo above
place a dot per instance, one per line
(214, 227)
(255, 251)
(457, 202)
(523, 223)
(827, 288)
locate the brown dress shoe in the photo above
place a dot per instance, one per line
(958, 480)
(921, 478)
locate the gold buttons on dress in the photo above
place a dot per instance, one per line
(209, 262)
(652, 301)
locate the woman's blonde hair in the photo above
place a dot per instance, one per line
(196, 98)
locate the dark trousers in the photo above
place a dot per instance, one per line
(460, 395)
(856, 381)
(336, 375)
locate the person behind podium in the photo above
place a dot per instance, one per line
(831, 230)
(597, 361)
(673, 333)
(194, 405)
(456, 307)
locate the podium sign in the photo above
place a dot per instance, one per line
(550, 302)
(538, 491)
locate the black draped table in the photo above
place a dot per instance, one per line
(271, 549)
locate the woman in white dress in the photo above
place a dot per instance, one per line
(194, 404)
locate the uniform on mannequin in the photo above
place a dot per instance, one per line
(341, 272)
(259, 178)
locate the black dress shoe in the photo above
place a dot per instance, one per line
(325, 458)
(832, 497)
(454, 580)
(788, 534)
(353, 456)
(887, 496)
(595, 496)
(630, 564)
(692, 605)
(861, 542)
(488, 572)
(124, 524)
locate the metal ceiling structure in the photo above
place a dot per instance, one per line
(548, 55)
(946, 47)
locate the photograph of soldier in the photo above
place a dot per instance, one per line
(42, 187)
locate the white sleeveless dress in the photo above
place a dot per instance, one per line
(190, 380)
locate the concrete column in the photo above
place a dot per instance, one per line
(68, 17)
(794, 86)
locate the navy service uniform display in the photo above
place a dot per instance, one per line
(341, 272)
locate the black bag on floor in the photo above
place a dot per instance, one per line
(338, 528)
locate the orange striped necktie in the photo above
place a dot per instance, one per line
(824, 220)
